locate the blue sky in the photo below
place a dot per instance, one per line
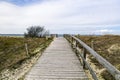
(22, 2)
(61, 16)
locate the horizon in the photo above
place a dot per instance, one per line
(61, 16)
(61, 34)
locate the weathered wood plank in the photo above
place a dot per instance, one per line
(58, 62)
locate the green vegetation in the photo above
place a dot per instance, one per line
(13, 51)
(108, 46)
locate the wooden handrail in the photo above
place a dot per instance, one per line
(109, 67)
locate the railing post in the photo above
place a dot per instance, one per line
(84, 55)
(76, 46)
(72, 42)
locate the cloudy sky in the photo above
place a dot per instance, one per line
(61, 16)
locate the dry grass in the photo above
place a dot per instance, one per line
(108, 46)
(12, 49)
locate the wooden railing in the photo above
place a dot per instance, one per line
(77, 45)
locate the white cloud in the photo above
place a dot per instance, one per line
(62, 16)
(104, 31)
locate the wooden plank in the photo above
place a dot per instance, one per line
(58, 62)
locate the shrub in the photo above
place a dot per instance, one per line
(36, 31)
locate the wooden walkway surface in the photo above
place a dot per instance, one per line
(58, 62)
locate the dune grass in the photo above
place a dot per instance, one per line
(108, 46)
(12, 49)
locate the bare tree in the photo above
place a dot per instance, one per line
(35, 31)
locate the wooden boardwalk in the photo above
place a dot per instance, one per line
(58, 62)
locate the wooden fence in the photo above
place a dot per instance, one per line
(76, 43)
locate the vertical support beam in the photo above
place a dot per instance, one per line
(84, 55)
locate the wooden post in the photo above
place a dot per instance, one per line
(84, 55)
(72, 42)
(76, 46)
(92, 44)
(46, 37)
(26, 47)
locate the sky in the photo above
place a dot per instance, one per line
(61, 16)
